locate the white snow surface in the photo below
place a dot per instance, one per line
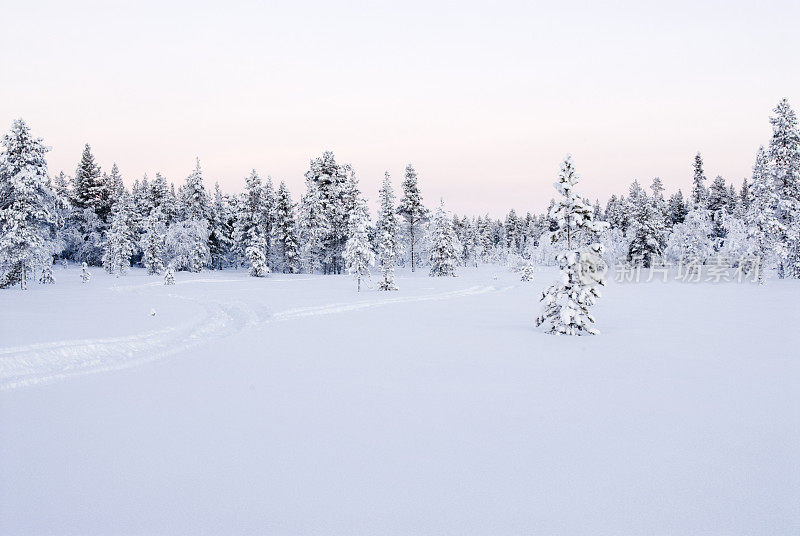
(291, 404)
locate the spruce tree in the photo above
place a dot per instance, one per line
(699, 192)
(27, 206)
(326, 182)
(256, 253)
(358, 254)
(47, 277)
(744, 199)
(676, 208)
(152, 243)
(284, 234)
(169, 275)
(220, 237)
(513, 238)
(718, 195)
(387, 234)
(567, 301)
(784, 152)
(649, 236)
(314, 229)
(718, 208)
(733, 200)
(89, 190)
(114, 185)
(468, 242)
(412, 210)
(761, 219)
(195, 204)
(616, 214)
(86, 276)
(443, 252)
(251, 211)
(528, 272)
(158, 196)
(119, 243)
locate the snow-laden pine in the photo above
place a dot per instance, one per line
(528, 272)
(27, 206)
(169, 275)
(413, 211)
(120, 242)
(284, 234)
(86, 275)
(567, 301)
(784, 152)
(443, 248)
(358, 254)
(386, 231)
(763, 227)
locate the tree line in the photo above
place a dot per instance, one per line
(93, 217)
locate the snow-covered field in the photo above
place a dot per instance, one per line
(294, 405)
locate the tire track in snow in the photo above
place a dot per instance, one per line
(33, 364)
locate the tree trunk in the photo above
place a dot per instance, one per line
(412, 245)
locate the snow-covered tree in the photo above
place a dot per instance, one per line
(691, 241)
(616, 214)
(738, 244)
(443, 252)
(250, 218)
(513, 238)
(256, 254)
(567, 301)
(744, 199)
(718, 195)
(169, 275)
(332, 188)
(186, 245)
(649, 233)
(718, 207)
(615, 245)
(84, 236)
(220, 240)
(358, 254)
(195, 203)
(528, 271)
(386, 230)
(284, 232)
(676, 208)
(761, 219)
(27, 206)
(412, 210)
(314, 229)
(597, 211)
(467, 240)
(113, 184)
(120, 241)
(784, 151)
(90, 190)
(699, 191)
(86, 276)
(152, 242)
(47, 277)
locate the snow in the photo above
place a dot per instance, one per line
(292, 404)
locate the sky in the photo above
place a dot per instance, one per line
(484, 98)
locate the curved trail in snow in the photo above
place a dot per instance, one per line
(21, 366)
(33, 364)
(335, 308)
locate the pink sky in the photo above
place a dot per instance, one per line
(484, 99)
